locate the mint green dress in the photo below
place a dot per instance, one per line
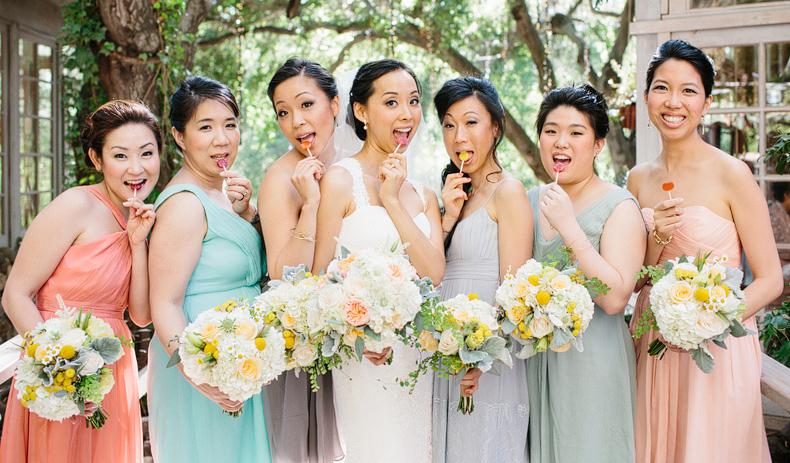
(582, 405)
(184, 425)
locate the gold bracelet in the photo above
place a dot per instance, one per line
(302, 236)
(572, 253)
(659, 241)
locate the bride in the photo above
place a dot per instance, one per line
(367, 201)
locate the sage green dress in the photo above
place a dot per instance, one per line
(583, 404)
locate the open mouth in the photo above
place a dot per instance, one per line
(307, 138)
(135, 185)
(465, 156)
(561, 159)
(673, 120)
(402, 136)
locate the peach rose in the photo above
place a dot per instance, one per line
(680, 292)
(250, 369)
(516, 313)
(287, 320)
(245, 328)
(520, 290)
(718, 292)
(356, 311)
(563, 348)
(427, 341)
(540, 326)
(209, 331)
(397, 275)
(560, 282)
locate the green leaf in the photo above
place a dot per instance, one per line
(174, 359)
(359, 347)
(703, 358)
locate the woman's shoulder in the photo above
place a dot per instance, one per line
(509, 187)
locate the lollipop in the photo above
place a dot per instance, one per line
(668, 188)
(464, 156)
(223, 163)
(306, 146)
(135, 187)
(558, 167)
(402, 140)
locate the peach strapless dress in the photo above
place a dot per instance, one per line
(95, 276)
(683, 414)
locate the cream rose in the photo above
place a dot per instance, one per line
(448, 345)
(106, 382)
(246, 328)
(304, 354)
(249, 369)
(331, 297)
(680, 292)
(91, 364)
(428, 342)
(560, 282)
(209, 331)
(462, 315)
(287, 320)
(74, 337)
(709, 324)
(516, 313)
(520, 290)
(540, 326)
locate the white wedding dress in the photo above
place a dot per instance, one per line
(379, 420)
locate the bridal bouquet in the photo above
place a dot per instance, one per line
(290, 306)
(691, 304)
(461, 333)
(369, 296)
(230, 348)
(547, 308)
(64, 370)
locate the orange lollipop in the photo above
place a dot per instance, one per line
(668, 186)
(306, 146)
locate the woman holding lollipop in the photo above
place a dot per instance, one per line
(205, 250)
(485, 227)
(301, 423)
(683, 414)
(582, 403)
(89, 247)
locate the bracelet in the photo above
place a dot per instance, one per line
(572, 253)
(659, 241)
(581, 232)
(255, 217)
(302, 236)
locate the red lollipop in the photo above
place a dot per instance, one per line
(558, 167)
(306, 146)
(135, 187)
(223, 163)
(668, 186)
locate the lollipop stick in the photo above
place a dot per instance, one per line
(134, 192)
(670, 194)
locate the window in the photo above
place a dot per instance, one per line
(725, 3)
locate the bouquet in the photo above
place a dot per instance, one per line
(369, 296)
(64, 370)
(547, 308)
(230, 348)
(691, 304)
(461, 333)
(290, 306)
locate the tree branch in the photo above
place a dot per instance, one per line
(530, 36)
(603, 13)
(344, 52)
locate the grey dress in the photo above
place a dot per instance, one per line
(497, 429)
(583, 404)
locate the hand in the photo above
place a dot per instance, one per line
(667, 217)
(238, 189)
(216, 396)
(305, 179)
(471, 380)
(141, 219)
(454, 196)
(557, 207)
(392, 173)
(376, 358)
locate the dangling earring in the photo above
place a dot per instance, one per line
(366, 124)
(648, 124)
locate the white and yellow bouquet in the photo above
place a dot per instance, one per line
(368, 297)
(229, 347)
(290, 306)
(460, 333)
(65, 367)
(547, 308)
(693, 303)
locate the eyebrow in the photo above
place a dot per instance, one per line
(684, 83)
(125, 148)
(396, 93)
(572, 125)
(297, 96)
(211, 119)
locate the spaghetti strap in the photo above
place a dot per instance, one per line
(492, 193)
(115, 212)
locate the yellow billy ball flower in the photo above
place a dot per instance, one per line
(575, 317)
(24, 403)
(66, 382)
(308, 274)
(71, 389)
(289, 343)
(70, 373)
(59, 378)
(288, 334)
(31, 350)
(701, 294)
(575, 332)
(473, 297)
(524, 336)
(577, 325)
(260, 343)
(270, 317)
(67, 352)
(543, 297)
(522, 327)
(533, 280)
(528, 333)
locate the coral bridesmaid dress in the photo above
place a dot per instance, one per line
(683, 414)
(95, 276)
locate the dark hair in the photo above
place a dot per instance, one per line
(455, 90)
(585, 99)
(193, 91)
(362, 88)
(302, 67)
(682, 50)
(779, 190)
(111, 116)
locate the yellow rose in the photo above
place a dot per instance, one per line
(516, 313)
(462, 315)
(560, 282)
(250, 369)
(427, 342)
(680, 292)
(718, 292)
(521, 291)
(287, 320)
(245, 328)
(209, 331)
(563, 348)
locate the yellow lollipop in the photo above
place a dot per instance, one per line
(463, 156)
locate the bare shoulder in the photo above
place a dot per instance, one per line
(731, 168)
(337, 178)
(280, 170)
(182, 208)
(641, 172)
(510, 189)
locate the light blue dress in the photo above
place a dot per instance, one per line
(583, 404)
(184, 425)
(496, 431)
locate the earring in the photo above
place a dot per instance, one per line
(648, 124)
(366, 124)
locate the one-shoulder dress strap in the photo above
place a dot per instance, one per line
(358, 190)
(492, 192)
(420, 189)
(533, 195)
(115, 212)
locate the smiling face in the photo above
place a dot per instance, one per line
(676, 100)
(210, 135)
(467, 127)
(305, 113)
(568, 138)
(129, 158)
(393, 112)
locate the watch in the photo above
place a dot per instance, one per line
(255, 218)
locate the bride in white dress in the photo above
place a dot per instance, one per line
(367, 201)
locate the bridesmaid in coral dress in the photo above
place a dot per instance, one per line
(683, 414)
(89, 247)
